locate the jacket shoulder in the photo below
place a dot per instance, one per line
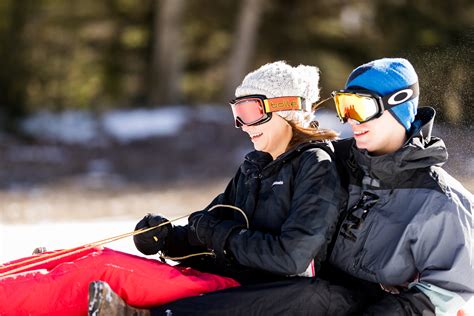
(449, 186)
(342, 147)
(318, 151)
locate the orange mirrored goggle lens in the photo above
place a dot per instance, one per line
(355, 106)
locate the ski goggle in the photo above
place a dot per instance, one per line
(257, 109)
(364, 105)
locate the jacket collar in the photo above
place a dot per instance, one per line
(257, 161)
(419, 151)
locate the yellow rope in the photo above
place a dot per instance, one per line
(189, 256)
(47, 257)
(210, 253)
(234, 208)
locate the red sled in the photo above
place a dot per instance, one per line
(59, 286)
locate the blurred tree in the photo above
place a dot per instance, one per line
(14, 73)
(208, 37)
(244, 43)
(118, 53)
(437, 36)
(167, 57)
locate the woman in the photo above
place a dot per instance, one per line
(287, 191)
(287, 188)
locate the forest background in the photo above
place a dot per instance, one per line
(79, 67)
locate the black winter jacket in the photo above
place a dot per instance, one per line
(292, 204)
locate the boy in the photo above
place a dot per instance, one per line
(409, 224)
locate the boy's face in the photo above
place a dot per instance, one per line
(379, 136)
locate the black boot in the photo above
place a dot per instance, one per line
(104, 301)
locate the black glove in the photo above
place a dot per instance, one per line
(208, 231)
(152, 241)
(201, 225)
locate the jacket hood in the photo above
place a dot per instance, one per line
(419, 151)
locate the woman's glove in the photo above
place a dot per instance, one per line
(152, 241)
(201, 226)
(209, 231)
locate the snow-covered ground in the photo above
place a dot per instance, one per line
(19, 240)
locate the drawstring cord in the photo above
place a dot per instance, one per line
(47, 257)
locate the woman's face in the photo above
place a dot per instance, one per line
(379, 136)
(272, 137)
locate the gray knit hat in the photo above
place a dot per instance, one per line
(279, 79)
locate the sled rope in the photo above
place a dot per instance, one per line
(47, 257)
(234, 208)
(210, 253)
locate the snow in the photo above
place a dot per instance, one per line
(138, 124)
(70, 127)
(19, 240)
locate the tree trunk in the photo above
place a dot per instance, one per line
(452, 99)
(14, 72)
(244, 44)
(167, 58)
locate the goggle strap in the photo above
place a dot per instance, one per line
(401, 96)
(282, 104)
(315, 106)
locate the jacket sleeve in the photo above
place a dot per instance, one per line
(178, 245)
(443, 247)
(314, 209)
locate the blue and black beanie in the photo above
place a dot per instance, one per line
(395, 80)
